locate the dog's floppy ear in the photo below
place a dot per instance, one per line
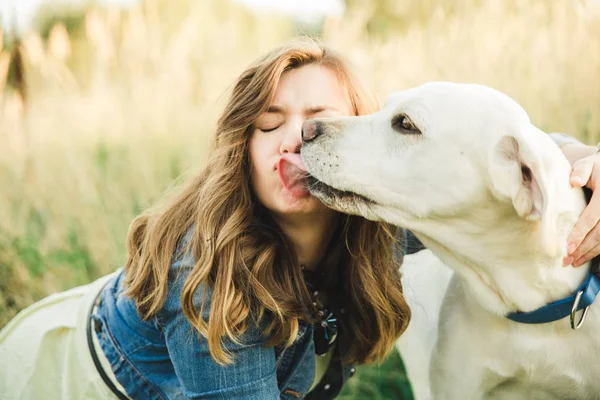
(520, 171)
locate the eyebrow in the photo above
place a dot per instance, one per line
(274, 109)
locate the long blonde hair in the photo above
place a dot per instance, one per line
(252, 271)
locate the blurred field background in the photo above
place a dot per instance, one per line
(120, 104)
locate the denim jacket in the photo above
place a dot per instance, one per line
(165, 358)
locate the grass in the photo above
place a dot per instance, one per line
(126, 105)
(379, 382)
(113, 117)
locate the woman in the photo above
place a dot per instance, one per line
(232, 288)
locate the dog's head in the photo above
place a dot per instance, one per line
(437, 152)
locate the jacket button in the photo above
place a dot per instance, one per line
(326, 387)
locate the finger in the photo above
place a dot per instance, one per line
(591, 241)
(587, 221)
(587, 256)
(568, 261)
(582, 171)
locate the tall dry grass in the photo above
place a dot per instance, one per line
(545, 54)
(112, 118)
(115, 115)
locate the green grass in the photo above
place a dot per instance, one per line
(379, 382)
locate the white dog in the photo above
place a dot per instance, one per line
(463, 168)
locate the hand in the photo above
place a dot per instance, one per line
(584, 241)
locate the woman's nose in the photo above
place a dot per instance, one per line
(292, 140)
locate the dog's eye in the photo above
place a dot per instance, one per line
(407, 123)
(401, 123)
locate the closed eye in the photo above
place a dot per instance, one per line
(403, 124)
(267, 130)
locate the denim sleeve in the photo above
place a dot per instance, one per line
(251, 375)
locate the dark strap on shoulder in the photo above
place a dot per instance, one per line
(99, 367)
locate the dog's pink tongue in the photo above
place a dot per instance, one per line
(292, 173)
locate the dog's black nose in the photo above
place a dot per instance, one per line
(310, 130)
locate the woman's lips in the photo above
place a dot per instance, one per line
(292, 173)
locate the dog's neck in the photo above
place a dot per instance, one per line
(517, 276)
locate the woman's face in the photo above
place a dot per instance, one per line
(310, 91)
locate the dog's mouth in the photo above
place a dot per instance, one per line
(332, 196)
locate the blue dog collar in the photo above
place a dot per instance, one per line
(584, 296)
